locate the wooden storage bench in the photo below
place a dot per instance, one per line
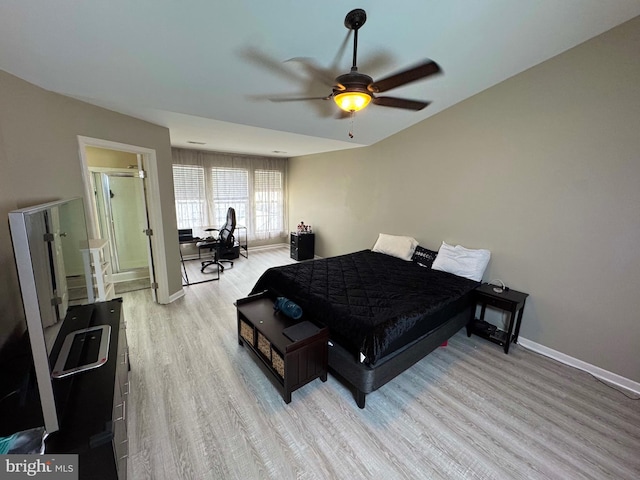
(288, 361)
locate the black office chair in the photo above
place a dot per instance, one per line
(224, 242)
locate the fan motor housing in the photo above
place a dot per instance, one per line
(355, 82)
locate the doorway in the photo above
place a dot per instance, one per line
(119, 211)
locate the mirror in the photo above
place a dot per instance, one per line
(55, 235)
(47, 242)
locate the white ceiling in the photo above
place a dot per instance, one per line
(204, 68)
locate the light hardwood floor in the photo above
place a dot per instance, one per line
(200, 408)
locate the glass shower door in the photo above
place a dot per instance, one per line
(122, 218)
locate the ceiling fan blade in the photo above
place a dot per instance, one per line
(323, 109)
(284, 98)
(425, 69)
(298, 99)
(319, 73)
(378, 62)
(263, 60)
(335, 64)
(400, 103)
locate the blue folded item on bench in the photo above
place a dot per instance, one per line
(287, 307)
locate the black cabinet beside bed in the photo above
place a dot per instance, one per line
(505, 299)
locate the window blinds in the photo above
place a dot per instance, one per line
(268, 201)
(208, 183)
(230, 188)
(188, 188)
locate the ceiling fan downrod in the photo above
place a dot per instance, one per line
(353, 21)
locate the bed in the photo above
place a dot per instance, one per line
(384, 313)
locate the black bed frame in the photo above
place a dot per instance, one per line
(364, 379)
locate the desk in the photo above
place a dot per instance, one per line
(243, 245)
(185, 276)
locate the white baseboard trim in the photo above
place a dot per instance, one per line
(268, 247)
(275, 245)
(605, 375)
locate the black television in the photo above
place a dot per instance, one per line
(47, 242)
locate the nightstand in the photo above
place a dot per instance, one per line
(510, 301)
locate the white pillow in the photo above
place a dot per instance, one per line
(461, 261)
(396, 246)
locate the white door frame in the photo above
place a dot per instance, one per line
(150, 162)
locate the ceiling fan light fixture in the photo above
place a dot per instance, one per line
(353, 91)
(352, 101)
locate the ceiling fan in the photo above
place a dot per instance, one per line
(353, 91)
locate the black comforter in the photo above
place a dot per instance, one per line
(370, 301)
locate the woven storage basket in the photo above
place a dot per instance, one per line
(264, 346)
(277, 362)
(246, 331)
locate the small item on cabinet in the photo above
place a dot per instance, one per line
(499, 288)
(302, 228)
(287, 307)
(300, 331)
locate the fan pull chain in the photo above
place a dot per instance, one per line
(353, 114)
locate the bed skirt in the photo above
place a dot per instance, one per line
(364, 379)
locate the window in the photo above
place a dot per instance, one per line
(267, 187)
(230, 188)
(206, 184)
(188, 187)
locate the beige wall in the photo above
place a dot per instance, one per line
(542, 169)
(106, 158)
(39, 161)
